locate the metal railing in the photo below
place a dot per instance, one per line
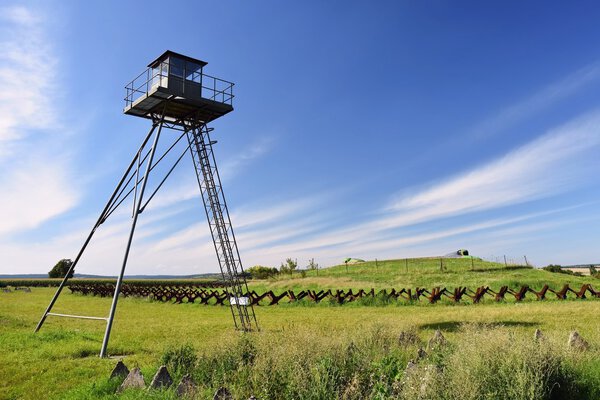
(210, 87)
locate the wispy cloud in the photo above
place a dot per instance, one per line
(548, 165)
(35, 184)
(544, 167)
(539, 101)
(27, 76)
(234, 164)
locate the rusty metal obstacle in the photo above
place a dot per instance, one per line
(201, 294)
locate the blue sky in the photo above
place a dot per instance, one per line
(388, 130)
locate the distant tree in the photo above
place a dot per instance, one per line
(312, 264)
(61, 268)
(593, 270)
(289, 266)
(260, 272)
(283, 268)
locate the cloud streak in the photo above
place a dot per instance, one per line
(544, 167)
(27, 76)
(547, 166)
(35, 184)
(544, 98)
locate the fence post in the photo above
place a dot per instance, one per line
(505, 264)
(526, 263)
(376, 266)
(346, 266)
(441, 264)
(472, 264)
(406, 262)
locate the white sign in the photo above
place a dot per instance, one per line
(238, 301)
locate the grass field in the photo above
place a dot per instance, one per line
(421, 272)
(317, 352)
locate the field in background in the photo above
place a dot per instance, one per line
(422, 272)
(305, 351)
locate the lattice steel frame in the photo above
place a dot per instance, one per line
(215, 206)
(220, 226)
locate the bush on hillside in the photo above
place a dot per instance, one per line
(560, 270)
(554, 268)
(260, 272)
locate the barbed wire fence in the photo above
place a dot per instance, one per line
(509, 261)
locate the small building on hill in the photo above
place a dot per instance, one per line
(460, 253)
(353, 261)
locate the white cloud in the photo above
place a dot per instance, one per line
(546, 166)
(233, 165)
(35, 182)
(544, 98)
(27, 76)
(29, 198)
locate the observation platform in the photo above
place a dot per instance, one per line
(176, 84)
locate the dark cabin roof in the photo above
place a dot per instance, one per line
(172, 53)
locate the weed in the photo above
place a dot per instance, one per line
(180, 360)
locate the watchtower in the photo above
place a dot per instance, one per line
(175, 93)
(177, 83)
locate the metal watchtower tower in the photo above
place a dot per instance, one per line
(174, 93)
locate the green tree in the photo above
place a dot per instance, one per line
(61, 268)
(289, 266)
(260, 272)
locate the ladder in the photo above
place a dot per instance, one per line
(220, 226)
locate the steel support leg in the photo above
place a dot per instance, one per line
(138, 204)
(109, 204)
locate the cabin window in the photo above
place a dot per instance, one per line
(159, 74)
(177, 66)
(193, 71)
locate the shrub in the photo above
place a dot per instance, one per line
(180, 360)
(260, 272)
(554, 268)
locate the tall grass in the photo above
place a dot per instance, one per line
(317, 352)
(487, 362)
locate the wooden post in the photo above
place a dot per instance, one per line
(526, 263)
(441, 264)
(376, 267)
(346, 266)
(505, 264)
(472, 263)
(406, 262)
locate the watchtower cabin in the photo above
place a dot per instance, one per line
(176, 85)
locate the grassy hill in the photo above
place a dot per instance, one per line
(420, 272)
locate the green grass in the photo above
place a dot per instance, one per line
(307, 347)
(302, 350)
(422, 272)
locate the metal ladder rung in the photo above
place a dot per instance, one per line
(220, 225)
(77, 316)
